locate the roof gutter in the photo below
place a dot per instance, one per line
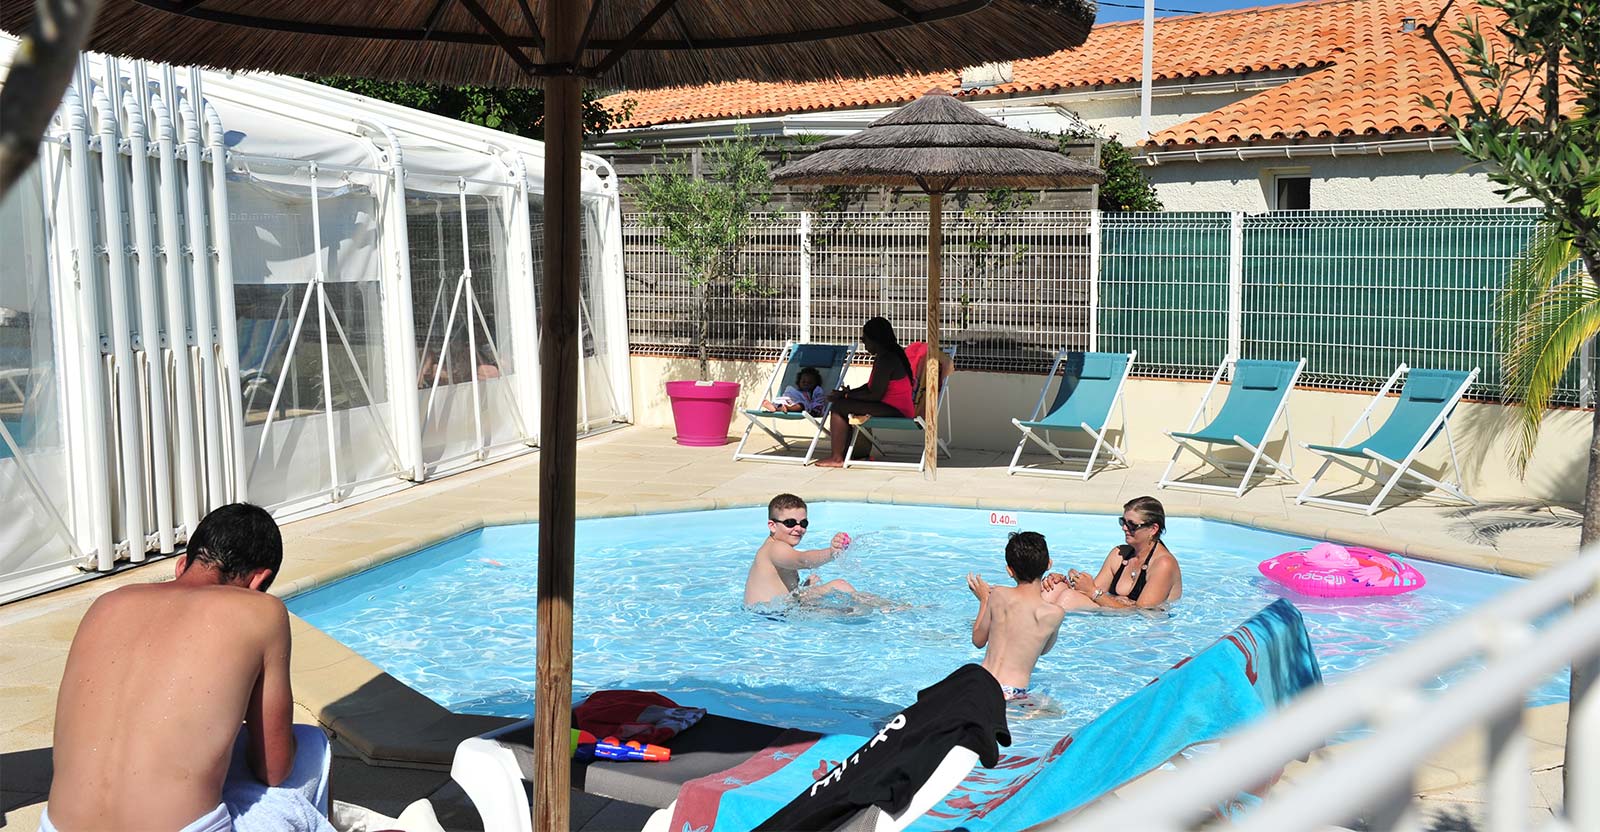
(1295, 151)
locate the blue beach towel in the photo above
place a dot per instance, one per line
(740, 798)
(1247, 673)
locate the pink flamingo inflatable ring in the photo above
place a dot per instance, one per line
(1328, 570)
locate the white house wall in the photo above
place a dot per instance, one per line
(1440, 179)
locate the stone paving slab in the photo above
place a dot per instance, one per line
(633, 471)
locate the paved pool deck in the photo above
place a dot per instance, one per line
(393, 745)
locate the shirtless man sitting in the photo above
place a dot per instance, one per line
(161, 676)
(1019, 624)
(775, 573)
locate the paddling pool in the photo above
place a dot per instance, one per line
(658, 607)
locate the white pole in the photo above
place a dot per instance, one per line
(525, 323)
(1094, 279)
(1146, 69)
(805, 277)
(187, 473)
(401, 333)
(200, 285)
(94, 396)
(149, 314)
(322, 338)
(120, 329)
(1236, 285)
(227, 313)
(472, 326)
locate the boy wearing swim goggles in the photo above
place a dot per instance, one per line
(775, 573)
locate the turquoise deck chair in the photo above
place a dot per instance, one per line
(1091, 386)
(878, 429)
(1422, 413)
(1258, 397)
(830, 360)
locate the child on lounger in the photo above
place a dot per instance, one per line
(806, 394)
(775, 573)
(1019, 624)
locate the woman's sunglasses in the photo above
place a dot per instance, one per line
(1133, 527)
(790, 522)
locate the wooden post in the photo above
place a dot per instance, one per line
(558, 425)
(930, 369)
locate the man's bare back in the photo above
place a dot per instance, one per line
(159, 679)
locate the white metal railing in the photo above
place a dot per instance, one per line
(1523, 636)
(1354, 292)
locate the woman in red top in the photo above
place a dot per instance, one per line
(886, 393)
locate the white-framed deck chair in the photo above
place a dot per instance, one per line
(1258, 397)
(1422, 413)
(831, 360)
(1091, 387)
(877, 429)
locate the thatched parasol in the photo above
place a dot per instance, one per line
(557, 44)
(940, 145)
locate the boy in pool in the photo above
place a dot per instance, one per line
(1019, 624)
(775, 573)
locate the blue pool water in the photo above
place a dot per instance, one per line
(658, 607)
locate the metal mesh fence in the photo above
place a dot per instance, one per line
(1354, 292)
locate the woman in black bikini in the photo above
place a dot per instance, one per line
(1140, 573)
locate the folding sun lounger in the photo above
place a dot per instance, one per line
(1423, 412)
(871, 428)
(1091, 385)
(830, 360)
(1257, 397)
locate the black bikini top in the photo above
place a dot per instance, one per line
(1138, 583)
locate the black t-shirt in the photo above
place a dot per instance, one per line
(967, 709)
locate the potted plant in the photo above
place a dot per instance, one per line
(703, 220)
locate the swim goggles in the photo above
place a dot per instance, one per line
(790, 522)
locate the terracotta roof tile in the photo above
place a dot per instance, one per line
(1363, 75)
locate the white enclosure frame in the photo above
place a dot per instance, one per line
(144, 257)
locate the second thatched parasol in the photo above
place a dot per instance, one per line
(939, 145)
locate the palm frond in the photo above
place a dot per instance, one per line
(1484, 523)
(1546, 312)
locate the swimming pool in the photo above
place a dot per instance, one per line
(658, 607)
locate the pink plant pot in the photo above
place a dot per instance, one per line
(702, 411)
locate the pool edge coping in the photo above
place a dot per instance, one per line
(388, 723)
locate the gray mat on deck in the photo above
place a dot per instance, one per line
(715, 743)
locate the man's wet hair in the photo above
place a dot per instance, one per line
(784, 502)
(238, 539)
(1027, 555)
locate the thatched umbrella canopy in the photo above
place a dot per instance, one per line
(557, 44)
(940, 145)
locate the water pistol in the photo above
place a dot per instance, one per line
(586, 746)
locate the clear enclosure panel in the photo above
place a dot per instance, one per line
(599, 407)
(463, 325)
(29, 393)
(290, 324)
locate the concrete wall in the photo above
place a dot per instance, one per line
(982, 405)
(1443, 179)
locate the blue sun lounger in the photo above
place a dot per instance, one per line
(1422, 413)
(1091, 385)
(830, 360)
(1257, 397)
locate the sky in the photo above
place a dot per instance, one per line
(1111, 10)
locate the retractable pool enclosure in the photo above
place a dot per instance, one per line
(219, 287)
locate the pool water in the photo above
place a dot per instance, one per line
(658, 607)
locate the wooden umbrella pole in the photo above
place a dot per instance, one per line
(558, 422)
(930, 369)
